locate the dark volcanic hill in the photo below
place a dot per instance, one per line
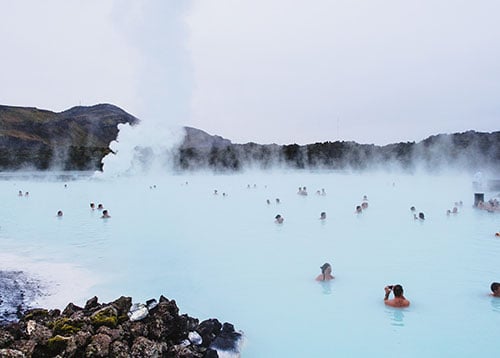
(77, 139)
(74, 139)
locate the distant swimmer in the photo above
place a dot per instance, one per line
(365, 198)
(412, 209)
(20, 193)
(359, 210)
(215, 192)
(100, 207)
(304, 191)
(326, 273)
(421, 216)
(455, 210)
(364, 205)
(300, 191)
(277, 200)
(279, 219)
(92, 206)
(399, 300)
(27, 193)
(322, 216)
(59, 213)
(323, 192)
(105, 215)
(495, 289)
(268, 202)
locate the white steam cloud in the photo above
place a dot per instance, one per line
(158, 32)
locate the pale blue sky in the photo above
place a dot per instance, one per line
(266, 71)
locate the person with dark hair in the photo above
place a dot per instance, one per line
(399, 300)
(495, 289)
(279, 219)
(326, 273)
(105, 214)
(322, 216)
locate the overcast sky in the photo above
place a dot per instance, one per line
(267, 71)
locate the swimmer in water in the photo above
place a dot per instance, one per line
(364, 205)
(279, 219)
(399, 300)
(277, 200)
(92, 206)
(322, 216)
(268, 202)
(358, 210)
(59, 213)
(326, 273)
(20, 193)
(495, 289)
(105, 215)
(100, 207)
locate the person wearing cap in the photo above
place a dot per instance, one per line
(399, 300)
(326, 273)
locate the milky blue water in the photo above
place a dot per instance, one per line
(224, 257)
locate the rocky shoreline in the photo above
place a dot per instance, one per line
(118, 329)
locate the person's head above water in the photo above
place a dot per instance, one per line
(495, 288)
(398, 290)
(421, 216)
(326, 272)
(322, 215)
(59, 213)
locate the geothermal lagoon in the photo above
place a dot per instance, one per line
(222, 256)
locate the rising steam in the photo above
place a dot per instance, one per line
(157, 32)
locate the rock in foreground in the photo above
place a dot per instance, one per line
(111, 330)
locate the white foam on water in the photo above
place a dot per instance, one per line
(60, 283)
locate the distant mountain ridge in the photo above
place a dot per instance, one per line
(78, 139)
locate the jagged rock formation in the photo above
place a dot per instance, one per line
(78, 139)
(107, 330)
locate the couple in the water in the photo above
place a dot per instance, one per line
(399, 299)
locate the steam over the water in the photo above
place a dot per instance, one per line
(156, 31)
